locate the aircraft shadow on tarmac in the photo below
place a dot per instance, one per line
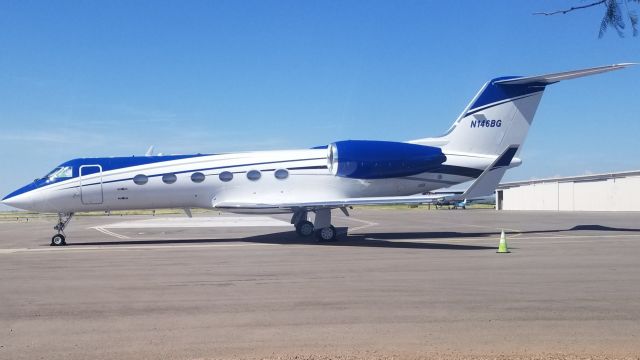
(373, 239)
(291, 238)
(600, 228)
(456, 234)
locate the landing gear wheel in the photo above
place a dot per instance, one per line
(58, 240)
(63, 220)
(304, 228)
(326, 234)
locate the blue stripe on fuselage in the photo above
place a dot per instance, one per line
(115, 163)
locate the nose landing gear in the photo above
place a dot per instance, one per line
(63, 220)
(58, 240)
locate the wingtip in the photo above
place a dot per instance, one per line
(624, 64)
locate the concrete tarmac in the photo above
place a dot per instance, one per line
(401, 284)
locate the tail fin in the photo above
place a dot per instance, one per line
(502, 112)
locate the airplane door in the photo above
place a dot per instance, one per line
(90, 184)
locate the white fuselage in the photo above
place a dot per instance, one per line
(308, 179)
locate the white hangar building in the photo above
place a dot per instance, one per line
(601, 192)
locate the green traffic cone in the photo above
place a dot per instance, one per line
(502, 248)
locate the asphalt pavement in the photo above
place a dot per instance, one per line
(399, 284)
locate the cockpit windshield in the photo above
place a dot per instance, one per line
(59, 173)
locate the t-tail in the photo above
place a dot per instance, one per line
(500, 115)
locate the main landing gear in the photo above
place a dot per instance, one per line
(321, 226)
(59, 239)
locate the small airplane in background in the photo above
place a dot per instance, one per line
(482, 144)
(452, 203)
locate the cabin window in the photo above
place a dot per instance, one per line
(254, 175)
(140, 179)
(197, 177)
(226, 176)
(281, 174)
(169, 178)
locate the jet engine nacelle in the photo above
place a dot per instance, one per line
(366, 159)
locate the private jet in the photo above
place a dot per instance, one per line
(481, 145)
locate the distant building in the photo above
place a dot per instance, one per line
(601, 192)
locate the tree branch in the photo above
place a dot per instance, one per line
(572, 8)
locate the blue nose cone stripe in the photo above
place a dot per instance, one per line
(34, 185)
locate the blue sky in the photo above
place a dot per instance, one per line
(103, 78)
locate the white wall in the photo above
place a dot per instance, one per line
(565, 196)
(621, 194)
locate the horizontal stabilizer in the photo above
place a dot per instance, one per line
(567, 75)
(487, 182)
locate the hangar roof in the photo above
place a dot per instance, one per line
(581, 178)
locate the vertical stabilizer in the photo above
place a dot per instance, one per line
(502, 112)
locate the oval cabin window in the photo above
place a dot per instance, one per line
(254, 175)
(169, 178)
(281, 174)
(225, 176)
(197, 177)
(140, 179)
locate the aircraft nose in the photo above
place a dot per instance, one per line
(19, 201)
(21, 198)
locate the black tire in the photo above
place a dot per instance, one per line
(327, 234)
(58, 240)
(304, 228)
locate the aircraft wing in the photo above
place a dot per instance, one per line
(485, 184)
(335, 203)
